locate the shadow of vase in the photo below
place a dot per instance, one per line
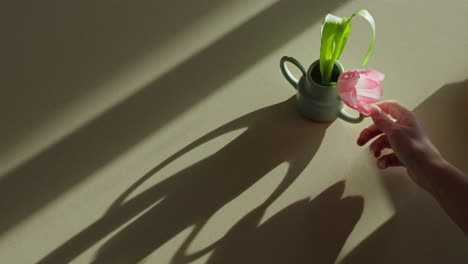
(55, 170)
(274, 135)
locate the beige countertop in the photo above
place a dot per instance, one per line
(164, 132)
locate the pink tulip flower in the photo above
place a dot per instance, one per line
(359, 88)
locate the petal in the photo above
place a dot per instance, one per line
(353, 74)
(347, 91)
(367, 100)
(369, 90)
(359, 88)
(364, 109)
(347, 81)
(350, 99)
(372, 74)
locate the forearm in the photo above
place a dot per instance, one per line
(449, 186)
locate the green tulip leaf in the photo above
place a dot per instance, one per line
(335, 32)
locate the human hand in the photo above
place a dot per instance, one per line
(411, 146)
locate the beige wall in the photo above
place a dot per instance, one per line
(164, 132)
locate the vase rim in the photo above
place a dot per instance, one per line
(314, 65)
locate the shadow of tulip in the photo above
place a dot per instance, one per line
(274, 135)
(56, 170)
(307, 231)
(420, 231)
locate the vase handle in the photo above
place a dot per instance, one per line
(348, 118)
(287, 73)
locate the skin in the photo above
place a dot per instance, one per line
(413, 150)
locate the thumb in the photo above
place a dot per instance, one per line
(381, 120)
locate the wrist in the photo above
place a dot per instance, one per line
(423, 155)
(426, 165)
(434, 173)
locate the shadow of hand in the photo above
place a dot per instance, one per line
(420, 231)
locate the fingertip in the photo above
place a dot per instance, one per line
(367, 134)
(375, 111)
(381, 164)
(376, 119)
(360, 142)
(375, 152)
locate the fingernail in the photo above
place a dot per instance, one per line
(381, 164)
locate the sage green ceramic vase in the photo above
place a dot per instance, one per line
(317, 102)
